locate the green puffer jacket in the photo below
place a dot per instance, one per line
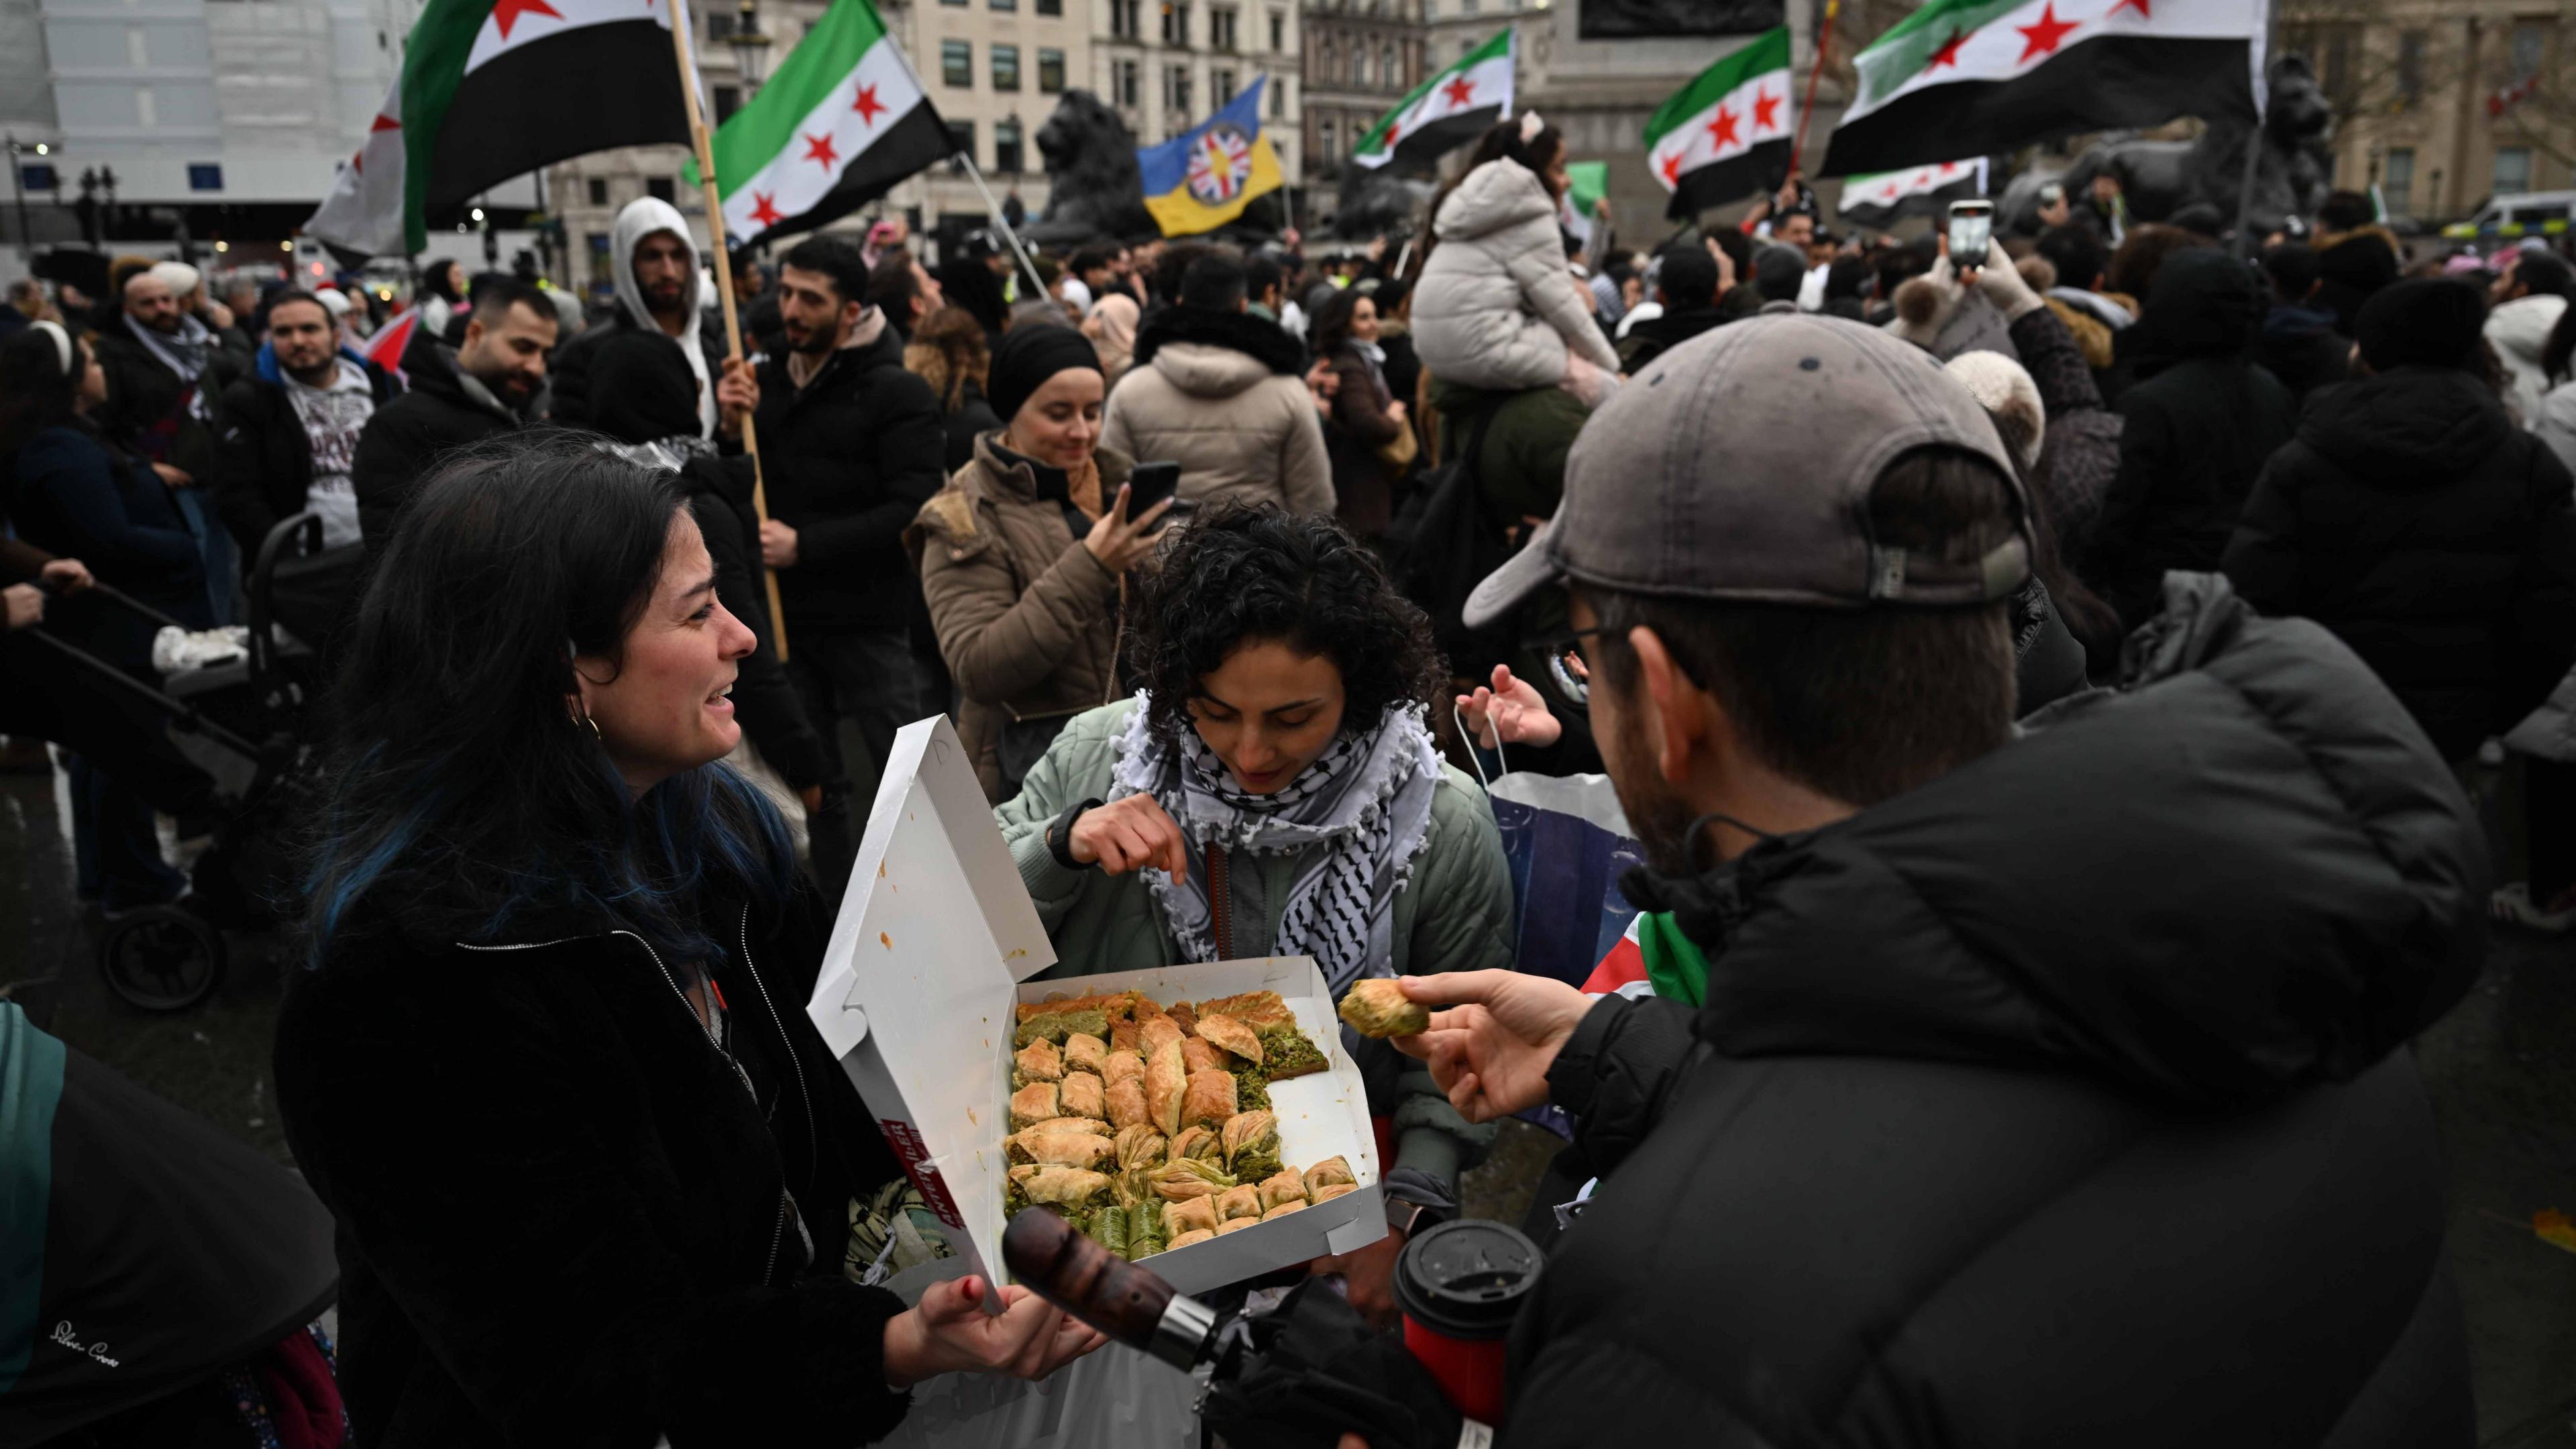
(1454, 915)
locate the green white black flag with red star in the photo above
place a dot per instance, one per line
(1725, 136)
(1983, 77)
(841, 122)
(1445, 112)
(492, 89)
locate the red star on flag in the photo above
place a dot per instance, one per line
(382, 123)
(765, 211)
(1459, 92)
(1766, 111)
(867, 105)
(2044, 35)
(1391, 128)
(506, 13)
(1948, 54)
(1721, 132)
(1947, 167)
(1672, 169)
(1887, 192)
(819, 148)
(2143, 12)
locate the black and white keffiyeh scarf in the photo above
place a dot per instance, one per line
(1366, 800)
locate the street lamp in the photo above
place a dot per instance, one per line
(750, 48)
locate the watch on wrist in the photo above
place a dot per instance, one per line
(1410, 1218)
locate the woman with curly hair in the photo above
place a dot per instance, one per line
(948, 351)
(1273, 790)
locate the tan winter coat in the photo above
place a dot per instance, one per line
(1223, 394)
(1027, 618)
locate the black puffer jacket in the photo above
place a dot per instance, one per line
(445, 409)
(2060, 1101)
(2417, 522)
(849, 459)
(510, 1134)
(2197, 429)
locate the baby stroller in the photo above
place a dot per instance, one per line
(239, 716)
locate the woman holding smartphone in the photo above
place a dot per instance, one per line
(550, 1069)
(1024, 553)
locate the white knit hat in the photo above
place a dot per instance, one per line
(179, 277)
(2003, 387)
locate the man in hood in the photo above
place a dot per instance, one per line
(1222, 393)
(2529, 296)
(1996, 1087)
(458, 396)
(2412, 518)
(660, 289)
(2197, 427)
(291, 428)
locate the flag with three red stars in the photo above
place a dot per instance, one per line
(492, 89)
(1983, 77)
(1886, 199)
(1725, 136)
(1445, 112)
(841, 122)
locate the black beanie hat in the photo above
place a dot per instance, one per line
(1032, 352)
(2421, 322)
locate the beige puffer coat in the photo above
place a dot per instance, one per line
(1223, 394)
(1027, 618)
(1500, 260)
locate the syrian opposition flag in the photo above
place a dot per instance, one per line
(1725, 136)
(492, 89)
(1883, 200)
(1983, 77)
(1445, 112)
(841, 122)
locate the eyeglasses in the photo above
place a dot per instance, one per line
(1567, 669)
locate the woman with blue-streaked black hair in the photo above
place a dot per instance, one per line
(550, 1068)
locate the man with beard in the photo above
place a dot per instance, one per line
(290, 430)
(659, 289)
(165, 370)
(851, 446)
(1995, 1089)
(459, 395)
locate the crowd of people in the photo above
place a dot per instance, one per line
(2041, 690)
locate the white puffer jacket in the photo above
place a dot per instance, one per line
(2519, 329)
(1500, 260)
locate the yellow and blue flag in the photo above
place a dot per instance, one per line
(1200, 180)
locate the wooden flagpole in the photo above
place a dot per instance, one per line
(1807, 107)
(724, 293)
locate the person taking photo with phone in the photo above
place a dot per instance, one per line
(1023, 556)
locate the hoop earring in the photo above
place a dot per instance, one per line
(595, 737)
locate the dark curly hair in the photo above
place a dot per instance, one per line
(1236, 573)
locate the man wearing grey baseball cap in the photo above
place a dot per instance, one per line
(1997, 1086)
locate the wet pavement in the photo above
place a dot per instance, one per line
(2500, 1067)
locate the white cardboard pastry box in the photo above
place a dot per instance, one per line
(933, 951)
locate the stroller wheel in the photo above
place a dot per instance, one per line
(163, 959)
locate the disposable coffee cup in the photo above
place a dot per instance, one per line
(1460, 1285)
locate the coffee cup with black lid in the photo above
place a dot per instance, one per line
(1461, 1284)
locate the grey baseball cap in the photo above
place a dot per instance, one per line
(1738, 467)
